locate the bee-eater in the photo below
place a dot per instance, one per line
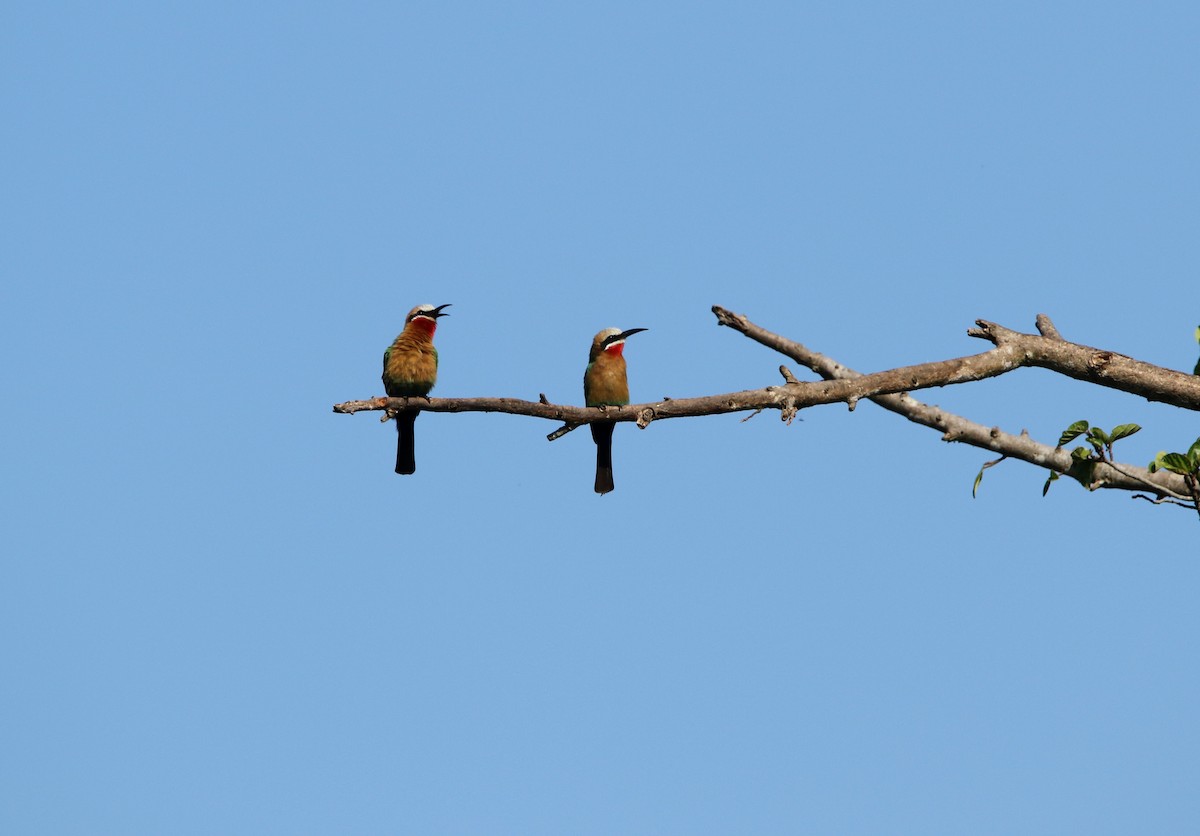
(605, 384)
(410, 367)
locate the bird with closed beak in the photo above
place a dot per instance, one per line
(605, 384)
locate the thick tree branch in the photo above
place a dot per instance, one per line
(1094, 365)
(955, 428)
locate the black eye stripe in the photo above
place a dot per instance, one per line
(432, 314)
(616, 338)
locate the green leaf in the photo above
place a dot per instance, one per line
(1157, 464)
(1193, 452)
(979, 477)
(1177, 463)
(1198, 333)
(1053, 478)
(1076, 429)
(1097, 436)
(1083, 470)
(1123, 431)
(1081, 453)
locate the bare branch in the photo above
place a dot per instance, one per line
(561, 431)
(1094, 365)
(956, 428)
(1159, 500)
(1046, 327)
(788, 398)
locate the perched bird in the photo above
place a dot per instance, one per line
(604, 384)
(410, 367)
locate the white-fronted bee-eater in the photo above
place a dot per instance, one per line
(605, 384)
(410, 367)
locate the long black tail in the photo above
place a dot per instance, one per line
(406, 461)
(602, 432)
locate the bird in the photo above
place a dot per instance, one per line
(410, 367)
(605, 384)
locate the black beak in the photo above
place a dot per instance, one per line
(625, 334)
(436, 312)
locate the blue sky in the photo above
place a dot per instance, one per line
(221, 612)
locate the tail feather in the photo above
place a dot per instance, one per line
(602, 432)
(406, 461)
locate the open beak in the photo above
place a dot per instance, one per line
(436, 312)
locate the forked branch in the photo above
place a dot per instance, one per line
(956, 428)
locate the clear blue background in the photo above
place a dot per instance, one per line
(221, 611)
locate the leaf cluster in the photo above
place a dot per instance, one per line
(1185, 464)
(1085, 459)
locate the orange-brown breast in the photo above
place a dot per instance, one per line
(605, 381)
(410, 365)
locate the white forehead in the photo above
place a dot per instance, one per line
(425, 308)
(609, 332)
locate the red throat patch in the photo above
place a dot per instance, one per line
(425, 323)
(616, 349)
